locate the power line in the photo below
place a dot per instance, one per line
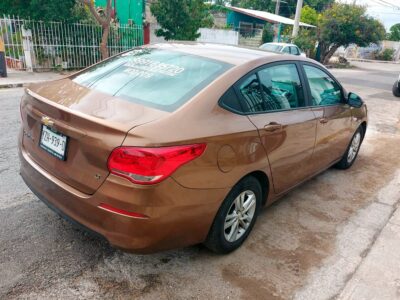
(391, 4)
(387, 13)
(381, 4)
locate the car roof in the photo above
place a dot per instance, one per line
(280, 44)
(226, 53)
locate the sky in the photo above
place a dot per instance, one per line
(384, 10)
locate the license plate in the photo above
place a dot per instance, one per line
(53, 142)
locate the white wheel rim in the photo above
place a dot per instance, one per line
(239, 216)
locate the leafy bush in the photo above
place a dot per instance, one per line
(386, 54)
(268, 33)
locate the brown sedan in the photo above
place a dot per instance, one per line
(177, 144)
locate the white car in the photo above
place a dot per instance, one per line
(283, 48)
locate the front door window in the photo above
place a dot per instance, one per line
(324, 90)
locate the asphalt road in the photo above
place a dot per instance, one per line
(305, 246)
(368, 76)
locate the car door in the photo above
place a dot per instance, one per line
(274, 100)
(334, 129)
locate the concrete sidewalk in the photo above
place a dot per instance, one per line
(378, 275)
(21, 78)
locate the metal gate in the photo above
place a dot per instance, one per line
(36, 45)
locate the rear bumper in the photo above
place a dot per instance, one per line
(178, 216)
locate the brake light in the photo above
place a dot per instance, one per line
(151, 165)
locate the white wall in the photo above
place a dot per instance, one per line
(219, 36)
(153, 38)
(395, 46)
(208, 35)
(354, 51)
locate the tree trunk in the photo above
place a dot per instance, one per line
(327, 56)
(104, 22)
(104, 40)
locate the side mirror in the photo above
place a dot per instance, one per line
(354, 100)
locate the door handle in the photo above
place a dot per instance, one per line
(273, 126)
(323, 120)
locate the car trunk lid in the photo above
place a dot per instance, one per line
(95, 123)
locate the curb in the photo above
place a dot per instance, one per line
(373, 61)
(19, 84)
(12, 85)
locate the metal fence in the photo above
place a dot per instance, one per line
(57, 45)
(250, 37)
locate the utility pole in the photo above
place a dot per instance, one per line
(277, 6)
(297, 18)
(276, 26)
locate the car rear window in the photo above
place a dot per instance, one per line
(153, 77)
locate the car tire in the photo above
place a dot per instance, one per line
(222, 237)
(396, 89)
(352, 150)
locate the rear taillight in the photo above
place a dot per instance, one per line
(151, 165)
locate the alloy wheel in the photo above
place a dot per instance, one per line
(240, 216)
(354, 146)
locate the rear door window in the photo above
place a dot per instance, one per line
(281, 87)
(153, 77)
(231, 101)
(251, 95)
(271, 88)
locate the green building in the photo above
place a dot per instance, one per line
(128, 11)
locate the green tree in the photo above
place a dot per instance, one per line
(265, 5)
(318, 5)
(180, 19)
(44, 10)
(345, 24)
(309, 15)
(394, 33)
(306, 40)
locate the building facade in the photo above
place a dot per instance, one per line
(127, 11)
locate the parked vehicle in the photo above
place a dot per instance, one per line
(283, 48)
(172, 145)
(396, 88)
